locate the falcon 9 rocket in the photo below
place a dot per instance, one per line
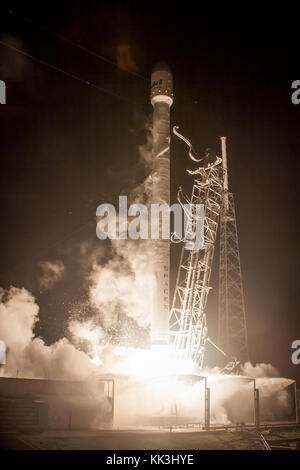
(161, 100)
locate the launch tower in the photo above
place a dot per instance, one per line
(232, 329)
(188, 327)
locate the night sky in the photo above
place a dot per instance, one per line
(67, 146)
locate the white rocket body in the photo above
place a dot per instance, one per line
(161, 100)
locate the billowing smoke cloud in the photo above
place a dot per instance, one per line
(123, 284)
(90, 336)
(259, 370)
(28, 356)
(90, 253)
(120, 287)
(49, 273)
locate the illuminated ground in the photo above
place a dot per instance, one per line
(146, 440)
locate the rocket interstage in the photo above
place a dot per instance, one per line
(161, 100)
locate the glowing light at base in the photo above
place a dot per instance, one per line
(146, 363)
(157, 361)
(153, 387)
(97, 361)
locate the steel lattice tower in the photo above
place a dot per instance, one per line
(188, 328)
(232, 329)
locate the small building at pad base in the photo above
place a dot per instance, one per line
(39, 404)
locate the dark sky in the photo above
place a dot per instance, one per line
(66, 146)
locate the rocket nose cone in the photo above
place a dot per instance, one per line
(161, 84)
(161, 66)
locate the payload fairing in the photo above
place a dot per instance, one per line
(161, 100)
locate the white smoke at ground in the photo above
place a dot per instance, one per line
(29, 356)
(156, 399)
(232, 396)
(277, 399)
(276, 393)
(50, 272)
(259, 370)
(173, 401)
(247, 370)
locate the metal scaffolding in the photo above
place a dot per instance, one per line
(232, 329)
(188, 328)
